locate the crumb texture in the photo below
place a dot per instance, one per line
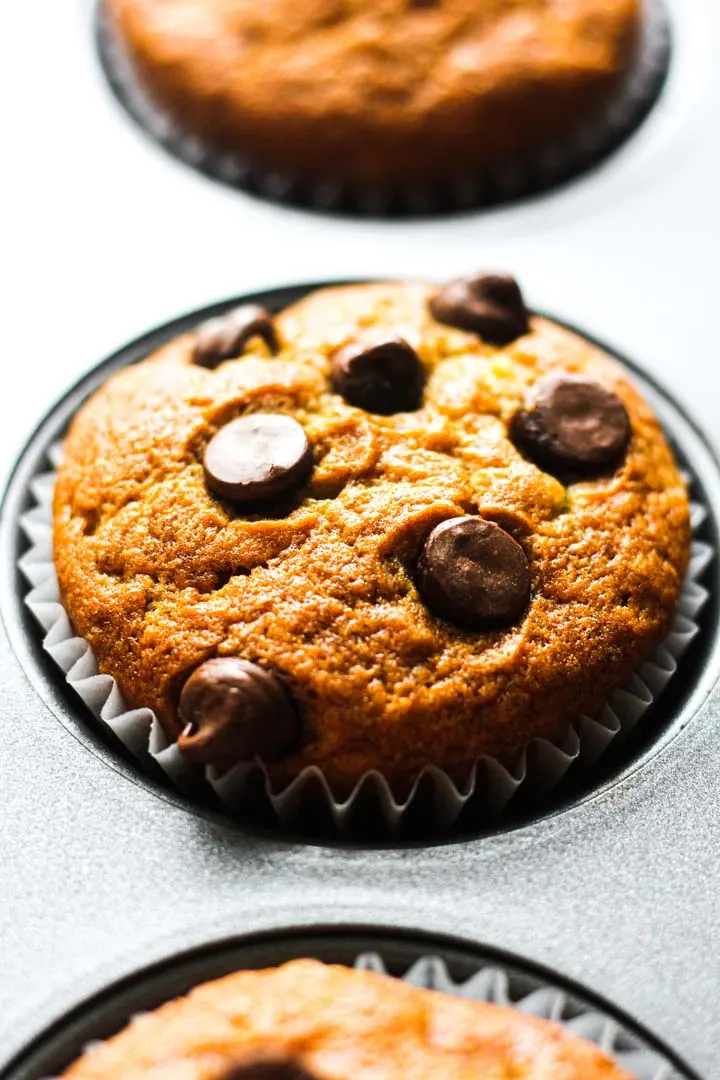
(158, 574)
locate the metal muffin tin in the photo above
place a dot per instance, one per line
(103, 873)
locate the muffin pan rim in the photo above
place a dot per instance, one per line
(178, 965)
(61, 700)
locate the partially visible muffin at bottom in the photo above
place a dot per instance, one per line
(307, 1020)
(391, 526)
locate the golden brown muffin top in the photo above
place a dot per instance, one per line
(341, 1024)
(159, 574)
(382, 89)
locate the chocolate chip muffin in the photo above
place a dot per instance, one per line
(392, 526)
(306, 1020)
(387, 95)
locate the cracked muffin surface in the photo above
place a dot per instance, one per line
(334, 1023)
(383, 94)
(320, 586)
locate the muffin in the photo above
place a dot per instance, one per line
(386, 96)
(307, 1020)
(393, 526)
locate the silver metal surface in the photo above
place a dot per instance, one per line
(106, 236)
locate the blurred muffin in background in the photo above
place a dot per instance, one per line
(383, 95)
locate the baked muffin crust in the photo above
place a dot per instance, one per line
(341, 1024)
(383, 94)
(159, 575)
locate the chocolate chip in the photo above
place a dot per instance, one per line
(572, 425)
(266, 1067)
(258, 457)
(235, 711)
(382, 377)
(490, 305)
(226, 336)
(472, 573)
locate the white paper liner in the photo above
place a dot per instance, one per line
(489, 786)
(493, 984)
(558, 162)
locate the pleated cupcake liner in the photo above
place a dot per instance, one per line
(436, 800)
(557, 163)
(497, 985)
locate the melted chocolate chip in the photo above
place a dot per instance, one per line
(266, 1067)
(490, 305)
(572, 425)
(235, 711)
(257, 457)
(473, 574)
(382, 377)
(226, 336)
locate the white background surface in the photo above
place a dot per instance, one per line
(103, 235)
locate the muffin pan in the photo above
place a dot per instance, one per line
(445, 964)
(557, 165)
(107, 871)
(373, 814)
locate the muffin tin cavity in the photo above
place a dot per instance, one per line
(549, 779)
(445, 964)
(557, 164)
